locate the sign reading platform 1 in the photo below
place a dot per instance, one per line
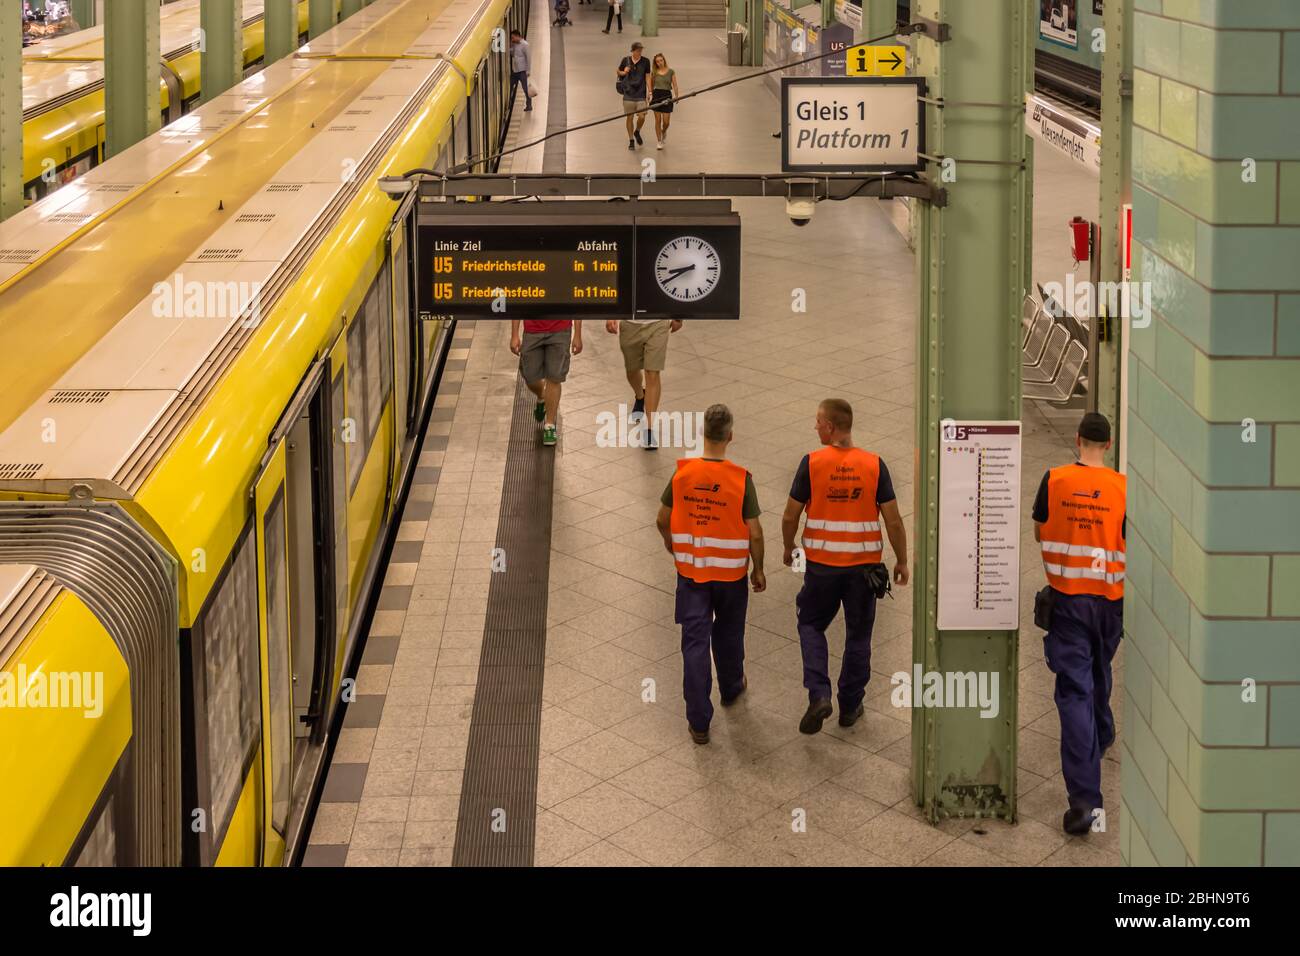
(852, 124)
(561, 263)
(979, 526)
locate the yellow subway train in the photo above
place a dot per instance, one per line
(215, 375)
(63, 90)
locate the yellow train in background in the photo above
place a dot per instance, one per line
(63, 90)
(215, 378)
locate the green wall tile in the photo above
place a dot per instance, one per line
(1284, 715)
(1156, 45)
(1146, 100)
(1243, 258)
(1170, 605)
(1245, 521)
(1138, 798)
(1230, 61)
(1174, 360)
(1218, 323)
(1249, 779)
(1147, 512)
(1286, 587)
(1291, 62)
(1165, 229)
(1178, 112)
(1262, 127)
(1288, 325)
(1233, 389)
(1220, 585)
(1143, 628)
(1214, 839)
(1170, 729)
(1234, 461)
(1232, 650)
(1251, 14)
(1282, 839)
(1151, 760)
(1289, 185)
(1137, 677)
(1215, 714)
(1287, 464)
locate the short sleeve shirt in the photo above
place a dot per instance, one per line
(636, 76)
(749, 509)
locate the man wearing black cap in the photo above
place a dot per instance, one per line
(1079, 518)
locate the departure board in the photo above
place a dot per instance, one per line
(517, 271)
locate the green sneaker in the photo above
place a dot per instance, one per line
(539, 411)
(548, 435)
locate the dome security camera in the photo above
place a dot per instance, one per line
(800, 209)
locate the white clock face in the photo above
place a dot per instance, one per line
(687, 269)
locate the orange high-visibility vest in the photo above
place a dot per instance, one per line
(843, 523)
(710, 536)
(1083, 536)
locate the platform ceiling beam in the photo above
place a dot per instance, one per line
(973, 264)
(222, 58)
(132, 73)
(11, 109)
(281, 20)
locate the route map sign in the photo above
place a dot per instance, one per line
(852, 124)
(979, 526)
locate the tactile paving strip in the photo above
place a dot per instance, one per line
(498, 800)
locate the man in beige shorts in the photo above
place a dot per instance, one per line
(645, 353)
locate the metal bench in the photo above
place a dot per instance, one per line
(1046, 368)
(1063, 384)
(1031, 351)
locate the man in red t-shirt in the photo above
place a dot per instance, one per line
(544, 354)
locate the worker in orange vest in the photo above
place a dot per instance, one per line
(1079, 519)
(848, 493)
(708, 517)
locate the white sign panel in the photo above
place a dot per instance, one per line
(852, 124)
(1078, 139)
(979, 526)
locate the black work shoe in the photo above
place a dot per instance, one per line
(699, 736)
(1076, 822)
(850, 717)
(813, 718)
(639, 140)
(744, 686)
(631, 144)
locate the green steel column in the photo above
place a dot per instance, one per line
(281, 19)
(350, 7)
(649, 18)
(132, 73)
(973, 269)
(320, 17)
(11, 109)
(878, 17)
(221, 62)
(735, 13)
(83, 11)
(1210, 760)
(757, 29)
(1116, 190)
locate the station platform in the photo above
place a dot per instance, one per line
(608, 772)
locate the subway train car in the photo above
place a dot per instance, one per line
(205, 435)
(63, 90)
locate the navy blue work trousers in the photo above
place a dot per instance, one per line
(712, 615)
(1085, 634)
(520, 78)
(819, 600)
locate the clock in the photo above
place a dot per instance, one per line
(687, 268)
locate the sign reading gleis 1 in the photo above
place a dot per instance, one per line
(852, 124)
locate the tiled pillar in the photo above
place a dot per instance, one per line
(1213, 588)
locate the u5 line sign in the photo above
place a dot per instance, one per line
(852, 124)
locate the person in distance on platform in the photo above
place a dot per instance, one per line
(521, 64)
(544, 354)
(708, 517)
(663, 90)
(644, 343)
(847, 492)
(562, 14)
(632, 73)
(1080, 522)
(615, 10)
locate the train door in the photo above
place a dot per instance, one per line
(405, 333)
(296, 582)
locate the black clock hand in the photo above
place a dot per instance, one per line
(674, 273)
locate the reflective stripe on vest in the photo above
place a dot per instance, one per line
(1083, 539)
(710, 536)
(843, 523)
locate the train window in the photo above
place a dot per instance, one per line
(277, 665)
(357, 398)
(101, 846)
(381, 294)
(374, 362)
(228, 632)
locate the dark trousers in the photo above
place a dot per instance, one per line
(610, 19)
(818, 603)
(1085, 634)
(711, 615)
(521, 79)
